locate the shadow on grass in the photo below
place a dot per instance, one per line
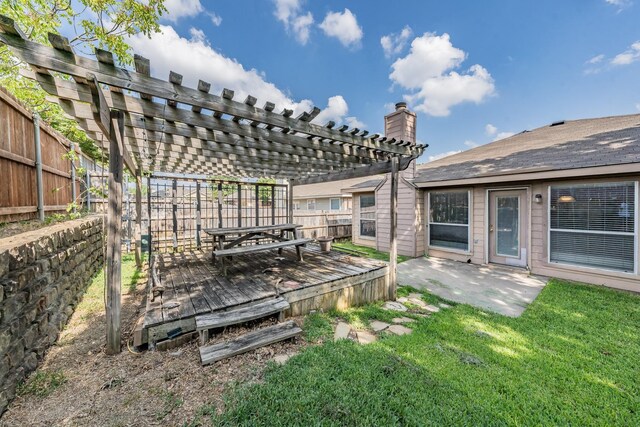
(568, 360)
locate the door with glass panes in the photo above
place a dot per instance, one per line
(508, 222)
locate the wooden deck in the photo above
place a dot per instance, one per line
(194, 285)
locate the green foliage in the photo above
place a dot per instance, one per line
(264, 192)
(42, 383)
(227, 187)
(570, 359)
(96, 23)
(366, 251)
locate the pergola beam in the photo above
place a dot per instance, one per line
(78, 66)
(359, 172)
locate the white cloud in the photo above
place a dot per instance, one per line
(428, 72)
(628, 56)
(596, 59)
(638, 106)
(442, 155)
(394, 43)
(337, 110)
(289, 12)
(196, 59)
(490, 129)
(343, 26)
(177, 9)
(215, 19)
(620, 4)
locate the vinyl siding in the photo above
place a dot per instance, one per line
(406, 228)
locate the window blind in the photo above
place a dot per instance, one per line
(593, 225)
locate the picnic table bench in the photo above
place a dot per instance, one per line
(281, 236)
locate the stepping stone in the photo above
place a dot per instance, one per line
(402, 299)
(402, 320)
(342, 331)
(432, 308)
(418, 302)
(378, 326)
(366, 337)
(399, 330)
(414, 295)
(281, 359)
(444, 305)
(394, 305)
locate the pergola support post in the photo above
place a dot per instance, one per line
(114, 231)
(393, 230)
(138, 228)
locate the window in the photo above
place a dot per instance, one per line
(367, 220)
(311, 204)
(296, 206)
(449, 220)
(334, 204)
(593, 225)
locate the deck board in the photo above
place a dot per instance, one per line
(194, 281)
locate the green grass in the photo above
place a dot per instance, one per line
(42, 383)
(571, 359)
(366, 251)
(93, 300)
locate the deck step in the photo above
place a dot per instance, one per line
(251, 341)
(219, 319)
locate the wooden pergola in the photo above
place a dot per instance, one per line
(153, 125)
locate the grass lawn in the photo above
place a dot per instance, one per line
(571, 359)
(366, 251)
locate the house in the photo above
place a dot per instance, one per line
(560, 200)
(325, 196)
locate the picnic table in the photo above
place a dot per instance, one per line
(227, 241)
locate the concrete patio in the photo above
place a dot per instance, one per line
(503, 290)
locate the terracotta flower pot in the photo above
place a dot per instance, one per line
(325, 243)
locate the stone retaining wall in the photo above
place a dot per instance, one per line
(43, 275)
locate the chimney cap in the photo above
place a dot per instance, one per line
(401, 106)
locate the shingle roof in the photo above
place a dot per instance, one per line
(569, 145)
(327, 189)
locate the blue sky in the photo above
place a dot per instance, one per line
(473, 71)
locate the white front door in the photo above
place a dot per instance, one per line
(508, 223)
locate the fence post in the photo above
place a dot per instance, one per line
(149, 239)
(257, 205)
(87, 177)
(39, 189)
(138, 230)
(198, 215)
(393, 229)
(273, 204)
(290, 202)
(74, 195)
(239, 205)
(219, 205)
(174, 213)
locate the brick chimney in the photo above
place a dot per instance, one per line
(401, 125)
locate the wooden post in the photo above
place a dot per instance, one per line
(393, 230)
(257, 201)
(114, 231)
(198, 216)
(273, 204)
(290, 202)
(138, 229)
(149, 239)
(39, 189)
(74, 195)
(174, 213)
(88, 188)
(219, 205)
(239, 205)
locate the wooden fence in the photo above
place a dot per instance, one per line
(18, 189)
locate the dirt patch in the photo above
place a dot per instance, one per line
(151, 388)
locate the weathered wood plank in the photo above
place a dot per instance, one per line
(259, 248)
(248, 342)
(241, 315)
